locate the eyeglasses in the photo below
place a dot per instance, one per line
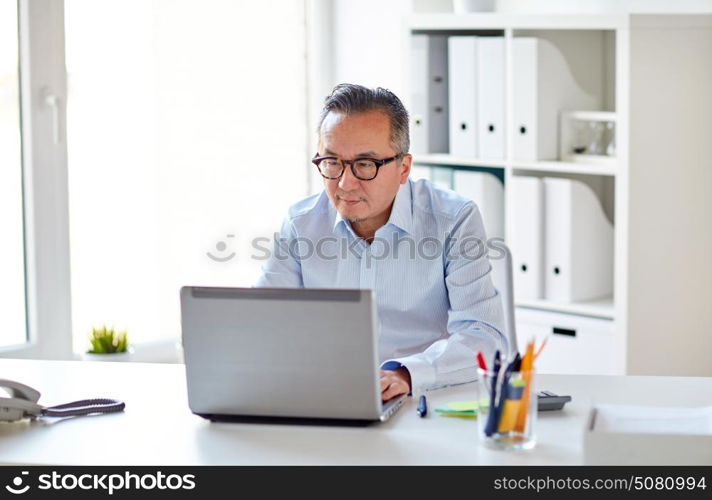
(365, 169)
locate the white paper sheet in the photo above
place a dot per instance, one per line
(654, 419)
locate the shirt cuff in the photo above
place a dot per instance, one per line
(422, 373)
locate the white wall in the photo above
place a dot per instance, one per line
(369, 35)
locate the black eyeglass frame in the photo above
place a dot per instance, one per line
(379, 163)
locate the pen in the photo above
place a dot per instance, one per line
(483, 366)
(515, 364)
(481, 361)
(504, 391)
(422, 406)
(527, 366)
(492, 420)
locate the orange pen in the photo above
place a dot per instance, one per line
(526, 369)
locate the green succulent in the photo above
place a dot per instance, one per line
(106, 341)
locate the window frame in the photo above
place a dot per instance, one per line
(43, 75)
(43, 93)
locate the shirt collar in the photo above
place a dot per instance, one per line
(337, 218)
(401, 212)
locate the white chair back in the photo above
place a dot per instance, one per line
(502, 277)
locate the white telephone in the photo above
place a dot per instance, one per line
(22, 403)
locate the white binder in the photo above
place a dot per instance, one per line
(543, 85)
(429, 80)
(462, 65)
(527, 236)
(490, 97)
(579, 243)
(487, 192)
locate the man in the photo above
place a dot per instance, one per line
(415, 245)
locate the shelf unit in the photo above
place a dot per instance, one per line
(600, 308)
(660, 314)
(563, 167)
(449, 160)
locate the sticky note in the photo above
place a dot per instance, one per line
(461, 409)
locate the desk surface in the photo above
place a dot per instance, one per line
(157, 427)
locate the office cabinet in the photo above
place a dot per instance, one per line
(650, 74)
(575, 344)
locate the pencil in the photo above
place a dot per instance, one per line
(527, 367)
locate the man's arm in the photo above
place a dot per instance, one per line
(475, 319)
(282, 269)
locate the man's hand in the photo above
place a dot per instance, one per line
(394, 383)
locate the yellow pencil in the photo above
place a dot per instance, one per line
(512, 406)
(526, 371)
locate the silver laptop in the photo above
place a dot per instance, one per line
(282, 353)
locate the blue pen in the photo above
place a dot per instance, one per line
(422, 406)
(492, 419)
(504, 392)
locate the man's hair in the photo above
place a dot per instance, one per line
(349, 98)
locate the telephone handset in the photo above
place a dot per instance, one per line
(22, 403)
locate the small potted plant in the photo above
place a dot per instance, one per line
(108, 344)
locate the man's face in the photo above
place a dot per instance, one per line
(362, 135)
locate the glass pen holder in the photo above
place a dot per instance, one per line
(506, 409)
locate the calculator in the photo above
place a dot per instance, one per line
(548, 401)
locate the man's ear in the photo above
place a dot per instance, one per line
(406, 162)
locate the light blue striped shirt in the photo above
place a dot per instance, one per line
(427, 266)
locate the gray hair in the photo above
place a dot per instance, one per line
(349, 98)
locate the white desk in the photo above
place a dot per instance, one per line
(157, 427)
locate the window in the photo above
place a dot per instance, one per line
(187, 137)
(12, 250)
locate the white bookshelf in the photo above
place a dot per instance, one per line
(563, 167)
(658, 73)
(599, 308)
(449, 160)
